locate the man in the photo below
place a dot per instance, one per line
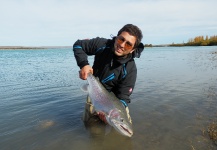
(114, 64)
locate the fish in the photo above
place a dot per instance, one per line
(106, 102)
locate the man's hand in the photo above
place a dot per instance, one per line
(102, 116)
(84, 72)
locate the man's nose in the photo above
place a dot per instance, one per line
(123, 44)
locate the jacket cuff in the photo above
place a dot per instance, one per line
(124, 103)
(82, 64)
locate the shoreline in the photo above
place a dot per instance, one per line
(61, 47)
(32, 47)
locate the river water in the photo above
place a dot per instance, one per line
(173, 103)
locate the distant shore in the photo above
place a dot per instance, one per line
(61, 47)
(32, 47)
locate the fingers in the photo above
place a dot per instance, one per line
(84, 72)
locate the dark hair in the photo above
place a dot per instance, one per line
(134, 31)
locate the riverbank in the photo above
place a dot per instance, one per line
(32, 47)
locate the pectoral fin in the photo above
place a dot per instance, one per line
(108, 129)
(84, 88)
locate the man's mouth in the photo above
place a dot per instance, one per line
(119, 49)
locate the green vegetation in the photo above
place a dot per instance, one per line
(199, 41)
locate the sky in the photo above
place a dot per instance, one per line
(62, 22)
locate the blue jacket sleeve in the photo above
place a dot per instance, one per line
(83, 48)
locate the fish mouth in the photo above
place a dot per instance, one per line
(128, 131)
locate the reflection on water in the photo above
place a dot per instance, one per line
(100, 139)
(173, 103)
(102, 136)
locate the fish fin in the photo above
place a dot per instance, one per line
(84, 88)
(108, 129)
(108, 119)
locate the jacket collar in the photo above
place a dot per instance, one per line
(123, 59)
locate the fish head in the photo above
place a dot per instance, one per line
(121, 124)
(122, 127)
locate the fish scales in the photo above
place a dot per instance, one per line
(108, 103)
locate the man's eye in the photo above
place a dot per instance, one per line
(122, 39)
(129, 44)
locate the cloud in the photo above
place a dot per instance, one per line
(55, 22)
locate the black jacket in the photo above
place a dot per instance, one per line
(117, 74)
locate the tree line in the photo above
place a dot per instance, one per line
(199, 41)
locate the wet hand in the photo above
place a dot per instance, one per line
(84, 72)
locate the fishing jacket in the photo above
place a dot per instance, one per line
(117, 74)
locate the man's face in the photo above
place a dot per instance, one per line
(124, 44)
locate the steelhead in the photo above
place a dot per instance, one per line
(108, 103)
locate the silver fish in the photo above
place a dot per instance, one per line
(108, 103)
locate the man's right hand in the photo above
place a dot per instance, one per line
(84, 72)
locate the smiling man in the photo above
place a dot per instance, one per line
(114, 64)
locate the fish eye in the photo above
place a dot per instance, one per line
(122, 119)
